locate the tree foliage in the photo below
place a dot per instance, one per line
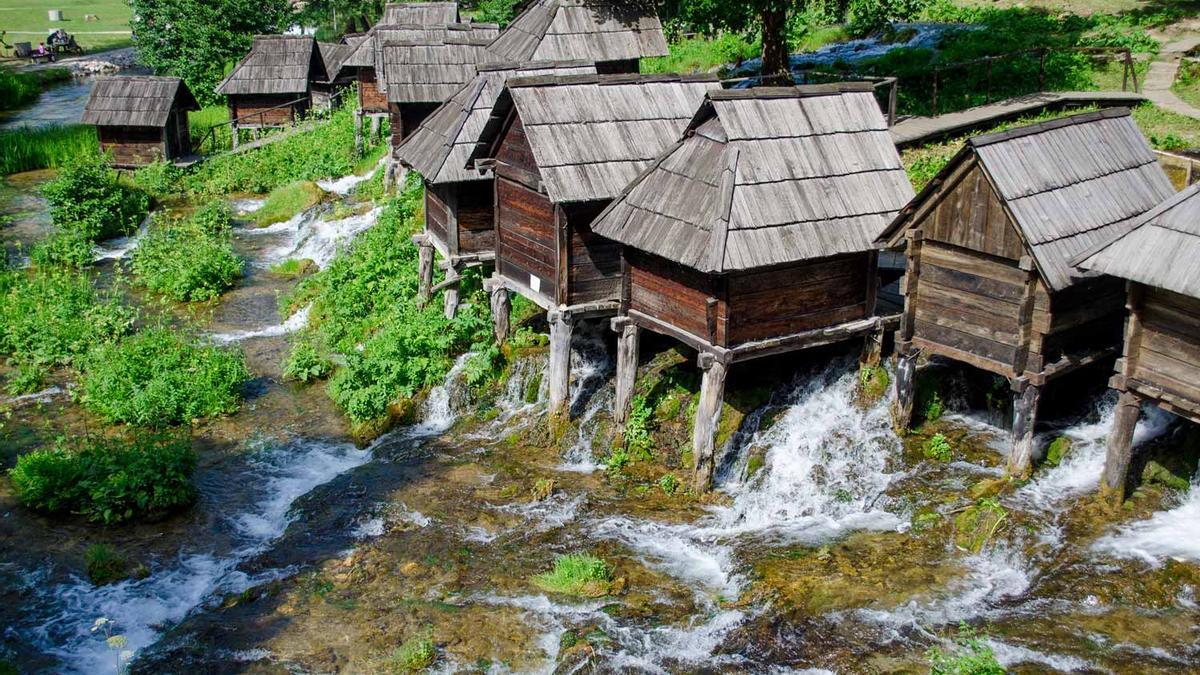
(196, 39)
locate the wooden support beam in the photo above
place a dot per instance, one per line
(501, 311)
(1120, 448)
(628, 336)
(872, 353)
(1025, 405)
(450, 292)
(708, 415)
(906, 380)
(425, 272)
(561, 324)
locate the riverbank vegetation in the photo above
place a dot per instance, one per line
(45, 147)
(188, 259)
(86, 198)
(108, 480)
(287, 201)
(20, 88)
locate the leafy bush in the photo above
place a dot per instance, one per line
(617, 460)
(866, 16)
(577, 574)
(190, 259)
(938, 448)
(700, 54)
(327, 150)
(497, 11)
(669, 484)
(306, 363)
(638, 427)
(970, 656)
(45, 148)
(87, 198)
(108, 480)
(26, 379)
(412, 656)
(159, 179)
(53, 317)
(70, 249)
(287, 201)
(364, 308)
(160, 376)
(104, 565)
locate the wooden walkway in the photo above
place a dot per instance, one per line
(918, 130)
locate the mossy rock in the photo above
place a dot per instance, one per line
(979, 524)
(755, 462)
(1057, 451)
(873, 384)
(1157, 473)
(532, 389)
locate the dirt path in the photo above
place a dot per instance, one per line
(1162, 74)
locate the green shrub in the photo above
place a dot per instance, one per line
(669, 484)
(577, 574)
(69, 249)
(53, 317)
(364, 308)
(104, 565)
(617, 460)
(325, 151)
(638, 427)
(497, 11)
(938, 448)
(17, 89)
(305, 363)
(26, 379)
(412, 656)
(700, 54)
(159, 179)
(46, 147)
(87, 198)
(970, 656)
(484, 367)
(190, 259)
(160, 376)
(108, 480)
(287, 201)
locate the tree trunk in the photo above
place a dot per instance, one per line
(775, 52)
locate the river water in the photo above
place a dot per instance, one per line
(308, 553)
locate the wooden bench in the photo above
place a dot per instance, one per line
(24, 50)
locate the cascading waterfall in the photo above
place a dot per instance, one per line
(295, 322)
(591, 392)
(61, 616)
(118, 247)
(316, 237)
(1167, 534)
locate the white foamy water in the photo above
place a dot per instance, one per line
(119, 247)
(44, 396)
(1165, 535)
(316, 237)
(1013, 655)
(344, 185)
(244, 207)
(547, 514)
(591, 392)
(442, 405)
(62, 615)
(294, 323)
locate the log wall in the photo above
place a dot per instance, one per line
(476, 233)
(1166, 353)
(526, 243)
(132, 146)
(437, 213)
(691, 301)
(772, 303)
(971, 216)
(249, 107)
(593, 262)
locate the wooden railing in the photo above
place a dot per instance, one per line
(211, 133)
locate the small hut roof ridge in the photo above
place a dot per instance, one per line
(1160, 248)
(136, 101)
(276, 64)
(430, 71)
(766, 177)
(596, 30)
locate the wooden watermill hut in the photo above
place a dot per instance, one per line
(458, 199)
(615, 34)
(560, 149)
(1157, 254)
(327, 91)
(754, 234)
(989, 245)
(141, 119)
(272, 85)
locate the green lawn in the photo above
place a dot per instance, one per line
(27, 21)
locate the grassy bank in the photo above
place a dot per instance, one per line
(19, 89)
(45, 148)
(27, 22)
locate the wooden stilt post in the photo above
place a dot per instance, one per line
(872, 353)
(374, 128)
(388, 169)
(424, 269)
(628, 336)
(1120, 448)
(235, 137)
(560, 359)
(906, 380)
(1025, 404)
(450, 293)
(708, 415)
(358, 132)
(501, 308)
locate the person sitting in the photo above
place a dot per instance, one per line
(42, 53)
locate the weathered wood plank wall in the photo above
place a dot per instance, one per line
(132, 146)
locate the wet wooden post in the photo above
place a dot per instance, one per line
(450, 292)
(906, 355)
(1025, 405)
(1120, 448)
(628, 336)
(708, 416)
(501, 305)
(358, 131)
(234, 135)
(872, 353)
(906, 375)
(424, 269)
(560, 359)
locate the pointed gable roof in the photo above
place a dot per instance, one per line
(439, 149)
(136, 101)
(1161, 248)
(1066, 184)
(276, 64)
(592, 30)
(421, 13)
(431, 72)
(764, 177)
(592, 134)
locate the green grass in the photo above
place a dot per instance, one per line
(414, 655)
(1165, 129)
(698, 55)
(104, 564)
(199, 122)
(28, 22)
(576, 574)
(1187, 83)
(45, 148)
(20, 88)
(293, 268)
(287, 201)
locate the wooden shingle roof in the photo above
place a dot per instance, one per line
(1066, 184)
(431, 72)
(423, 13)
(333, 56)
(276, 64)
(1161, 248)
(593, 30)
(592, 134)
(765, 177)
(440, 148)
(368, 48)
(136, 101)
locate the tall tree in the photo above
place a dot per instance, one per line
(769, 16)
(196, 39)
